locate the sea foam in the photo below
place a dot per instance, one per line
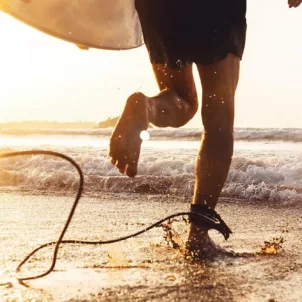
(263, 171)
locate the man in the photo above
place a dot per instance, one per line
(177, 33)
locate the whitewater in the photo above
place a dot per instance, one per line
(267, 163)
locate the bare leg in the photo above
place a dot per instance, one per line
(219, 83)
(174, 106)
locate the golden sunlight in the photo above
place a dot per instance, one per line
(43, 78)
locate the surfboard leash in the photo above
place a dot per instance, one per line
(199, 215)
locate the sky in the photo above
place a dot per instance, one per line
(43, 78)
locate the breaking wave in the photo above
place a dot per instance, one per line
(245, 134)
(267, 175)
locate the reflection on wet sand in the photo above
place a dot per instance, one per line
(146, 268)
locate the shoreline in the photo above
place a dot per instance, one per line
(161, 197)
(152, 269)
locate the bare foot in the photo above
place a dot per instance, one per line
(125, 142)
(201, 247)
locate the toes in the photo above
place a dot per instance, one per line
(121, 165)
(131, 170)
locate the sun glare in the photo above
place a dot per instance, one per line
(144, 135)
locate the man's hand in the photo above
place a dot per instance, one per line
(294, 3)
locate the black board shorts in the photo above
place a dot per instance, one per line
(182, 32)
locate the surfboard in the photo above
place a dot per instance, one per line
(102, 24)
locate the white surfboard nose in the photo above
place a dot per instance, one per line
(104, 24)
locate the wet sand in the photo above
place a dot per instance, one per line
(151, 269)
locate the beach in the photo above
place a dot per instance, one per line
(261, 202)
(58, 98)
(147, 267)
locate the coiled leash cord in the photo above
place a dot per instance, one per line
(200, 215)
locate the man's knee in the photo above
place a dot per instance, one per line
(218, 118)
(218, 121)
(218, 109)
(219, 144)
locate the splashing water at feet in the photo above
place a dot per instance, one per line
(172, 237)
(116, 256)
(271, 248)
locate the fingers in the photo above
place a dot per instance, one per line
(294, 3)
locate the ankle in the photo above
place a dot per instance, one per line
(196, 234)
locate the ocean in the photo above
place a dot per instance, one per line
(267, 163)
